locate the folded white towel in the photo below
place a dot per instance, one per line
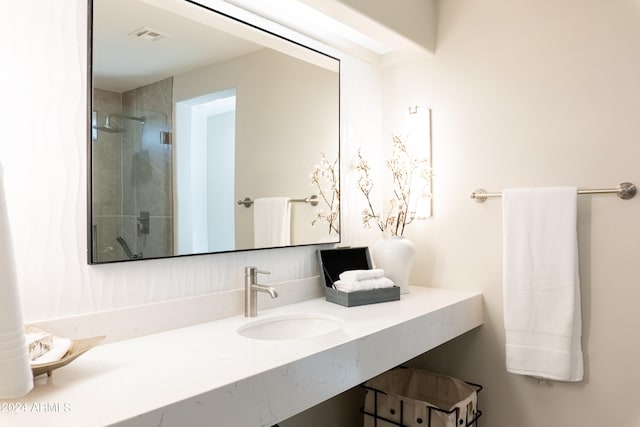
(542, 319)
(363, 285)
(351, 275)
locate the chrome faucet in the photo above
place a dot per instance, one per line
(251, 289)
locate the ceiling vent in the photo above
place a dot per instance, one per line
(147, 33)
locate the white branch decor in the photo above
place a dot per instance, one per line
(411, 182)
(326, 178)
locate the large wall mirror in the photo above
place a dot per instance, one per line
(207, 135)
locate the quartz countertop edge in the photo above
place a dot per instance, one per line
(205, 372)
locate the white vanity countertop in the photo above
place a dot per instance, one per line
(210, 374)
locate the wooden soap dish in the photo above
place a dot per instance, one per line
(78, 347)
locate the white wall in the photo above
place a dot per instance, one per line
(43, 150)
(220, 153)
(534, 93)
(261, 144)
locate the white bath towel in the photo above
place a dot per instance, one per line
(271, 222)
(541, 285)
(350, 275)
(16, 378)
(363, 285)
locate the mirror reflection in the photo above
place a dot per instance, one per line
(207, 135)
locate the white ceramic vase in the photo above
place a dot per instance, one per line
(16, 378)
(395, 256)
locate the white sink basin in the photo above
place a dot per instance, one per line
(289, 327)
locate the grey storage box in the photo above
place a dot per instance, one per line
(336, 261)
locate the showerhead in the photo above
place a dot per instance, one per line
(108, 127)
(137, 119)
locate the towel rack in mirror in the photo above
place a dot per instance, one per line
(625, 191)
(312, 200)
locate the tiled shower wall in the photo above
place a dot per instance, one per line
(107, 179)
(132, 172)
(147, 178)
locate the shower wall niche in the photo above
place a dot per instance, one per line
(132, 173)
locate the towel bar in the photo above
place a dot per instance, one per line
(312, 200)
(625, 191)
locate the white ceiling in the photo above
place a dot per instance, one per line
(378, 31)
(122, 62)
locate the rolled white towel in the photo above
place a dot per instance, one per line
(363, 285)
(38, 343)
(59, 349)
(353, 275)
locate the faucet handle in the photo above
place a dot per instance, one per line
(254, 270)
